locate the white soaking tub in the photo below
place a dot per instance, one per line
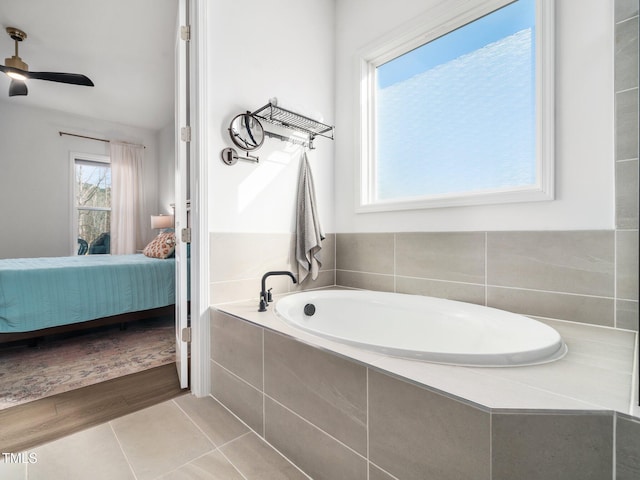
(423, 328)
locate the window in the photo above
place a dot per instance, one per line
(92, 203)
(460, 115)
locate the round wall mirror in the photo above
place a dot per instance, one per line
(246, 132)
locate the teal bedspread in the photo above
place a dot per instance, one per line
(38, 293)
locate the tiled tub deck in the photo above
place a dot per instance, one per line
(340, 412)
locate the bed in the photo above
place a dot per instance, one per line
(40, 296)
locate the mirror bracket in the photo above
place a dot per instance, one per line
(230, 156)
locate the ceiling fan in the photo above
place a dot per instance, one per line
(18, 71)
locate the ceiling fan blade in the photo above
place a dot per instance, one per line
(71, 78)
(16, 87)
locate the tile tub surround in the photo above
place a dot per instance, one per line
(581, 276)
(313, 399)
(238, 261)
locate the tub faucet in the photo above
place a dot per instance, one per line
(265, 295)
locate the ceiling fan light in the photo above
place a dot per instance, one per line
(16, 76)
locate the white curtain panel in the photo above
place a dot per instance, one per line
(127, 202)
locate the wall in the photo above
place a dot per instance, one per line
(584, 125)
(587, 276)
(166, 169)
(35, 178)
(569, 259)
(283, 49)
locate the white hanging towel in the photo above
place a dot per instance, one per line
(309, 234)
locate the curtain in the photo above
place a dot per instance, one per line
(127, 200)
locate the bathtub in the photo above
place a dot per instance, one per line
(423, 328)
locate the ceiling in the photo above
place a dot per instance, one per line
(126, 47)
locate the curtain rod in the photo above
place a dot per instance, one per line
(95, 138)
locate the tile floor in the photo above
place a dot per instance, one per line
(183, 438)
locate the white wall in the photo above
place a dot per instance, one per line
(584, 125)
(166, 169)
(257, 50)
(35, 175)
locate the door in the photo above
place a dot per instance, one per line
(182, 195)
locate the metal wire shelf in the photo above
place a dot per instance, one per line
(286, 118)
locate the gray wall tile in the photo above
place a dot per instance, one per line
(542, 447)
(627, 315)
(627, 264)
(626, 55)
(625, 9)
(573, 261)
(627, 448)
(316, 453)
(576, 308)
(464, 292)
(416, 434)
(377, 474)
(627, 124)
(327, 390)
(365, 252)
(627, 194)
(237, 346)
(457, 256)
(326, 278)
(328, 252)
(369, 281)
(238, 396)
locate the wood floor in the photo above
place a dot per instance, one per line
(41, 421)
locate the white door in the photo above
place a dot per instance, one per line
(182, 195)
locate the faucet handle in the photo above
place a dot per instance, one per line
(263, 305)
(269, 296)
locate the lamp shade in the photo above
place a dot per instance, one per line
(161, 221)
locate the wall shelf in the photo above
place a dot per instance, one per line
(282, 117)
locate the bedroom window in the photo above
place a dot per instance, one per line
(458, 110)
(92, 203)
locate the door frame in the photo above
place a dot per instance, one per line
(199, 175)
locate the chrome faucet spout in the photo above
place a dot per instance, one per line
(265, 295)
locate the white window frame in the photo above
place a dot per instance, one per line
(90, 157)
(444, 18)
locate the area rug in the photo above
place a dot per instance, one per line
(59, 364)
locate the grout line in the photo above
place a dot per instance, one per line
(490, 444)
(126, 457)
(264, 413)
(395, 269)
(486, 268)
(494, 286)
(251, 430)
(317, 428)
(615, 279)
(236, 376)
(613, 447)
(367, 419)
(630, 89)
(219, 449)
(195, 424)
(626, 20)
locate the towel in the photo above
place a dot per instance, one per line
(308, 231)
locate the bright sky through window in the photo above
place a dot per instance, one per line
(458, 114)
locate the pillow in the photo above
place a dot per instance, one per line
(162, 246)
